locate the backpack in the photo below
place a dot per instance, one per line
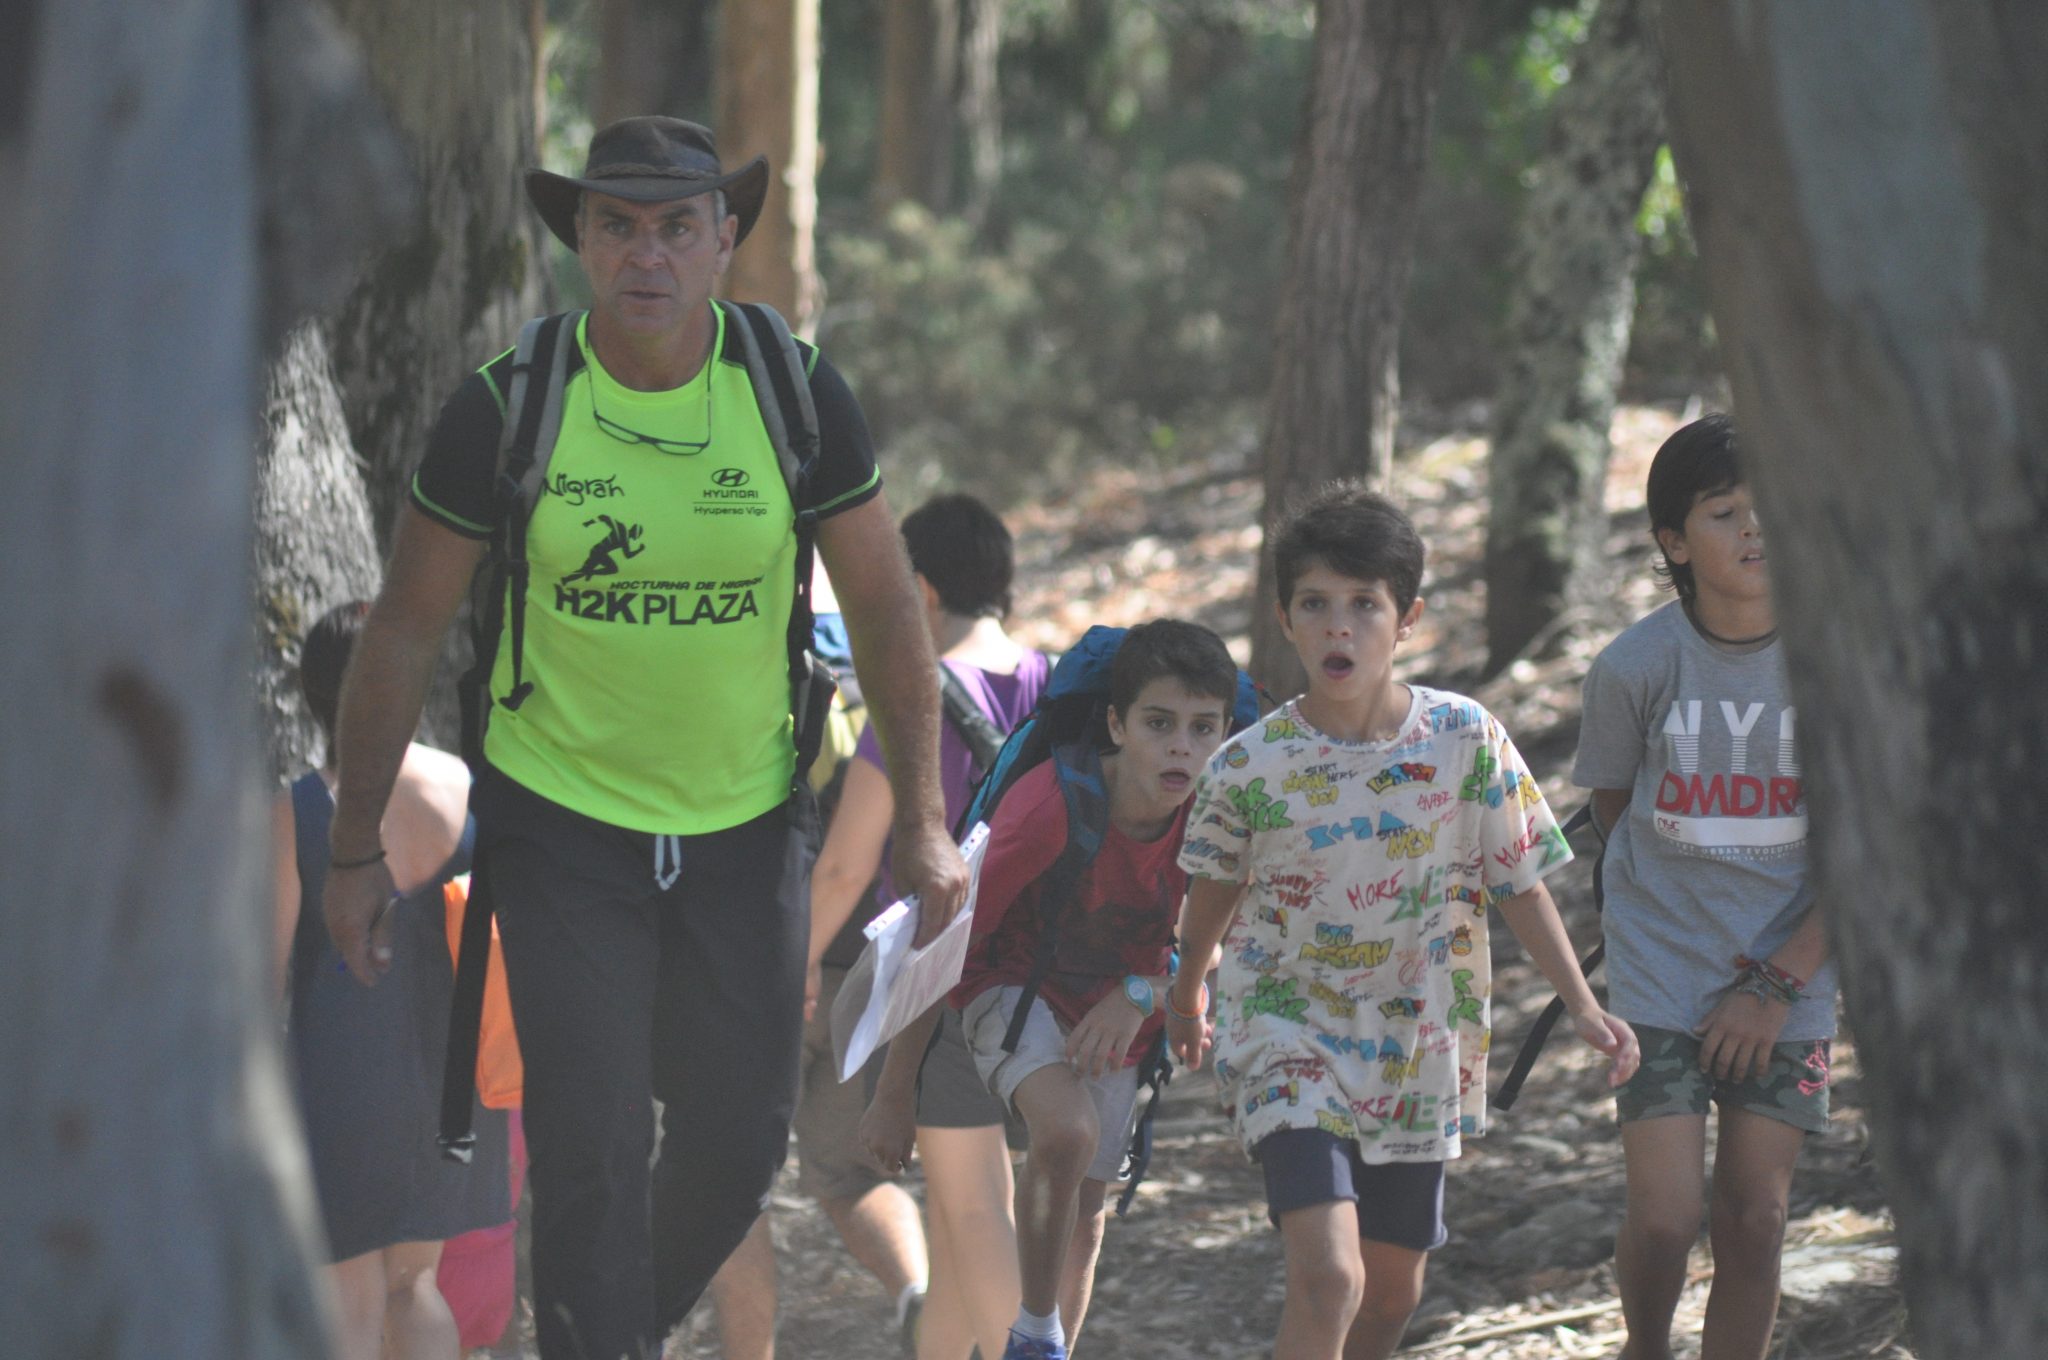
(533, 418)
(1069, 728)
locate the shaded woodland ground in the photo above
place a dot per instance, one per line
(1195, 1271)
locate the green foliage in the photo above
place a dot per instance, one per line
(1115, 301)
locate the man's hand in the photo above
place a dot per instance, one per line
(356, 905)
(1736, 1038)
(1098, 1044)
(1611, 1035)
(889, 1130)
(926, 862)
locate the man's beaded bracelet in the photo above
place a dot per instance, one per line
(1201, 1007)
(365, 862)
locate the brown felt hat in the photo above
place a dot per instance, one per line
(649, 159)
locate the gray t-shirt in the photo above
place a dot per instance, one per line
(1710, 860)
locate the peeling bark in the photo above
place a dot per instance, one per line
(314, 545)
(1568, 329)
(1865, 183)
(450, 290)
(1333, 405)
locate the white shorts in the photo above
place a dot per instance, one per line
(1042, 1044)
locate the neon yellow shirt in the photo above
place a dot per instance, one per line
(658, 603)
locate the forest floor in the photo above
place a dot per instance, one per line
(1195, 1271)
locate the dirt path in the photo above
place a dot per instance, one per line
(1195, 1271)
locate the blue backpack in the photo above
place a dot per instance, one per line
(1069, 727)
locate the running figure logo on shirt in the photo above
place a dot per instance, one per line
(619, 537)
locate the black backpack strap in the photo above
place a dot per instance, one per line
(540, 367)
(1078, 769)
(312, 813)
(984, 739)
(1539, 1033)
(1155, 1070)
(457, 1139)
(782, 391)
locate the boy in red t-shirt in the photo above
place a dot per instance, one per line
(1073, 1074)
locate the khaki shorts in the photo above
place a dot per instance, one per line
(1042, 1044)
(1793, 1089)
(831, 1164)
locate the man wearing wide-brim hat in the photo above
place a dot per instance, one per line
(641, 834)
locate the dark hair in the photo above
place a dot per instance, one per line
(1354, 532)
(959, 545)
(1699, 459)
(323, 659)
(1173, 648)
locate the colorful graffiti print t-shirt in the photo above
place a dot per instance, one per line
(1356, 979)
(1710, 860)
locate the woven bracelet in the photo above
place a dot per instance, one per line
(1201, 1007)
(365, 862)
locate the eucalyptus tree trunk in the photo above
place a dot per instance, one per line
(449, 289)
(654, 57)
(980, 103)
(1866, 186)
(920, 74)
(314, 545)
(768, 105)
(155, 1202)
(1364, 146)
(1568, 329)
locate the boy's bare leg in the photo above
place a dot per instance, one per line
(743, 1296)
(1077, 1282)
(1057, 1108)
(1325, 1280)
(882, 1231)
(970, 1202)
(1752, 1185)
(1666, 1160)
(1393, 1286)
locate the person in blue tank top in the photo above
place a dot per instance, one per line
(367, 1061)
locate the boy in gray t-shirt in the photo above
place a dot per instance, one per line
(1714, 952)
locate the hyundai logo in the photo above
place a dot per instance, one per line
(729, 477)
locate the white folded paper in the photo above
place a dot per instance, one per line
(891, 983)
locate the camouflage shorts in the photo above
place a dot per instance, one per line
(1794, 1090)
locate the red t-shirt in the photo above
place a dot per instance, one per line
(1123, 922)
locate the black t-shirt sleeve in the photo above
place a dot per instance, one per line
(846, 474)
(453, 484)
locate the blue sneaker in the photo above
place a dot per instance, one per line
(1022, 1347)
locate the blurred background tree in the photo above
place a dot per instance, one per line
(1091, 274)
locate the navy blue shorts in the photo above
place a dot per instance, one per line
(1399, 1203)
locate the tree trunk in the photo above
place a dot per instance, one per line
(314, 545)
(920, 74)
(768, 105)
(1866, 187)
(1568, 328)
(155, 1201)
(981, 103)
(452, 290)
(655, 58)
(1332, 407)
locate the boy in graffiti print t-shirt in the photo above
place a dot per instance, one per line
(1355, 846)
(1714, 951)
